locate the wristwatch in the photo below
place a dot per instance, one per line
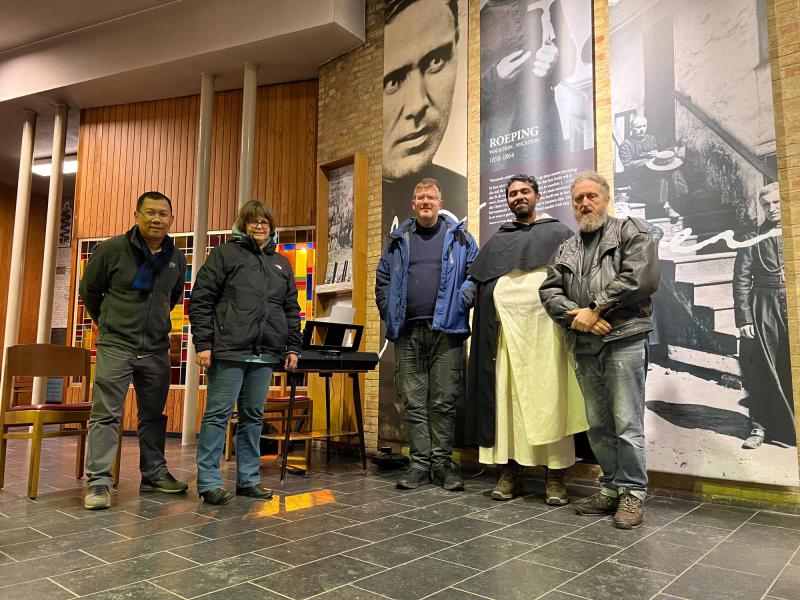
(594, 306)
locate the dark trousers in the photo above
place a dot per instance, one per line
(114, 371)
(428, 378)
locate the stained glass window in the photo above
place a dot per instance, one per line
(296, 244)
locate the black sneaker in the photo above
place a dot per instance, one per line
(448, 478)
(254, 491)
(413, 478)
(166, 484)
(217, 496)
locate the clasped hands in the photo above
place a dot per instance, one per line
(588, 321)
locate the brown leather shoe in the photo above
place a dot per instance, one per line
(630, 511)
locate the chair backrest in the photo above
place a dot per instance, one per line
(45, 360)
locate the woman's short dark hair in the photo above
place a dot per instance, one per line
(253, 211)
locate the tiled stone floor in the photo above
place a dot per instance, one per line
(341, 535)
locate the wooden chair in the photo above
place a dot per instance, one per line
(276, 410)
(44, 360)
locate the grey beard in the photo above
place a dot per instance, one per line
(591, 222)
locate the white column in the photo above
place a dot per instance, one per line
(14, 301)
(51, 242)
(189, 428)
(249, 100)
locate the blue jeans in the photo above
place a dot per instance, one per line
(226, 379)
(612, 383)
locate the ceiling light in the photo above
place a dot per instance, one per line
(44, 166)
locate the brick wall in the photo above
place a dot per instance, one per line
(783, 20)
(350, 118)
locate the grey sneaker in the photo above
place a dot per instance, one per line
(599, 504)
(98, 498)
(448, 478)
(508, 486)
(630, 512)
(555, 490)
(166, 484)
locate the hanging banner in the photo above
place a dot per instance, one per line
(537, 102)
(424, 129)
(695, 155)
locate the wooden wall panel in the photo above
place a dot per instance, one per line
(34, 252)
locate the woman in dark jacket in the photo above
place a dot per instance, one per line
(245, 322)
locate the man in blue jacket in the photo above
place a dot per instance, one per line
(418, 288)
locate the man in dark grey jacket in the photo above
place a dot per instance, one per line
(598, 289)
(129, 287)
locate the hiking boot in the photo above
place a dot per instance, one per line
(555, 491)
(413, 478)
(98, 498)
(508, 486)
(448, 478)
(166, 484)
(217, 496)
(630, 511)
(599, 504)
(254, 491)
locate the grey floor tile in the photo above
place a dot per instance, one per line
(226, 527)
(603, 532)
(226, 547)
(141, 590)
(400, 549)
(243, 591)
(777, 519)
(372, 511)
(611, 581)
(702, 582)
(312, 548)
(429, 495)
(535, 532)
(439, 513)
(567, 516)
(360, 485)
(218, 575)
(416, 579)
(317, 577)
(694, 536)
(483, 552)
(57, 545)
(748, 559)
(787, 585)
(657, 555)
(381, 529)
(23, 534)
(515, 580)
(452, 593)
(304, 528)
(570, 554)
(105, 519)
(459, 530)
(106, 577)
(506, 514)
(722, 518)
(764, 536)
(556, 595)
(41, 589)
(157, 525)
(28, 570)
(349, 592)
(148, 544)
(479, 500)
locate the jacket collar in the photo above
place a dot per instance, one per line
(410, 224)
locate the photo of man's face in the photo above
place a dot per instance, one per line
(418, 82)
